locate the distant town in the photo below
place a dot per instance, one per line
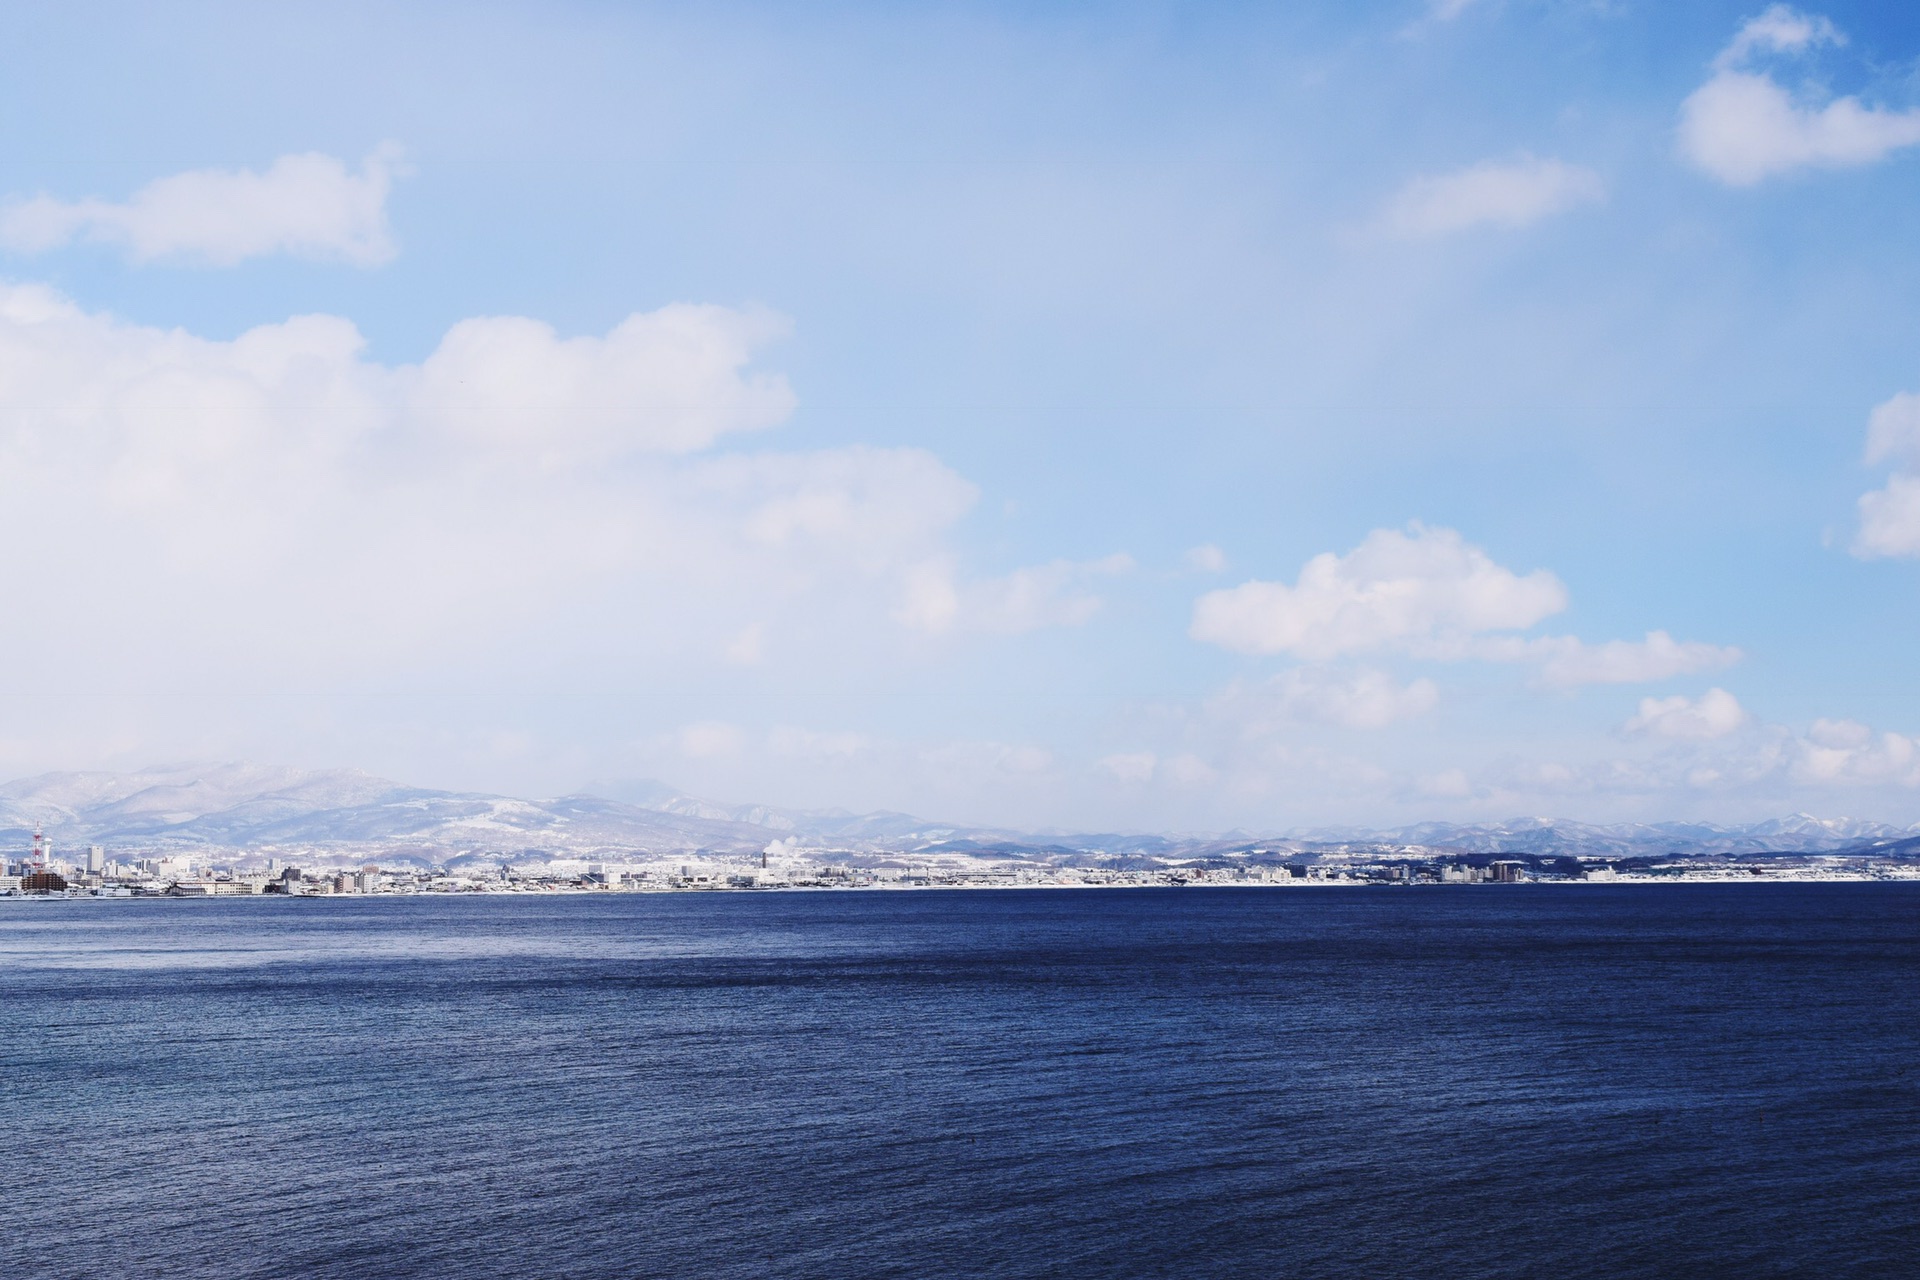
(214, 830)
(94, 872)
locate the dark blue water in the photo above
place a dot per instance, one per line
(1528, 1082)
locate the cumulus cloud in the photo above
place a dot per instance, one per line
(1714, 714)
(1429, 594)
(1890, 516)
(1847, 752)
(1890, 519)
(307, 206)
(1055, 594)
(668, 381)
(280, 503)
(1512, 194)
(1742, 126)
(1893, 430)
(1398, 588)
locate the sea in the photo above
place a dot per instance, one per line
(1479, 1081)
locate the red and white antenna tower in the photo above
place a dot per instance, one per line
(39, 858)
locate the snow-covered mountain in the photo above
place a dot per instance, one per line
(645, 793)
(1800, 833)
(239, 806)
(348, 813)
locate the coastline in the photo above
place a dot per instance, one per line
(548, 890)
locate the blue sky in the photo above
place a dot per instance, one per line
(1106, 416)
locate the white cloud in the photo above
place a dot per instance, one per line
(1264, 738)
(1847, 752)
(280, 503)
(1685, 746)
(1395, 590)
(1361, 698)
(1774, 764)
(1742, 126)
(1893, 430)
(1890, 516)
(1048, 595)
(1566, 661)
(309, 206)
(1513, 194)
(1428, 593)
(669, 381)
(929, 600)
(1714, 714)
(1890, 519)
(1781, 29)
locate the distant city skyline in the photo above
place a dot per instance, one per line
(1142, 419)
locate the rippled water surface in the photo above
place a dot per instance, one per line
(1698, 1081)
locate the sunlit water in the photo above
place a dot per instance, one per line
(1698, 1081)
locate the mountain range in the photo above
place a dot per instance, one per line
(237, 809)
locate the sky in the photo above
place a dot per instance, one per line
(1102, 417)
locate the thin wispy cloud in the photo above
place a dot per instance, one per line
(303, 206)
(1349, 698)
(1056, 594)
(1509, 194)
